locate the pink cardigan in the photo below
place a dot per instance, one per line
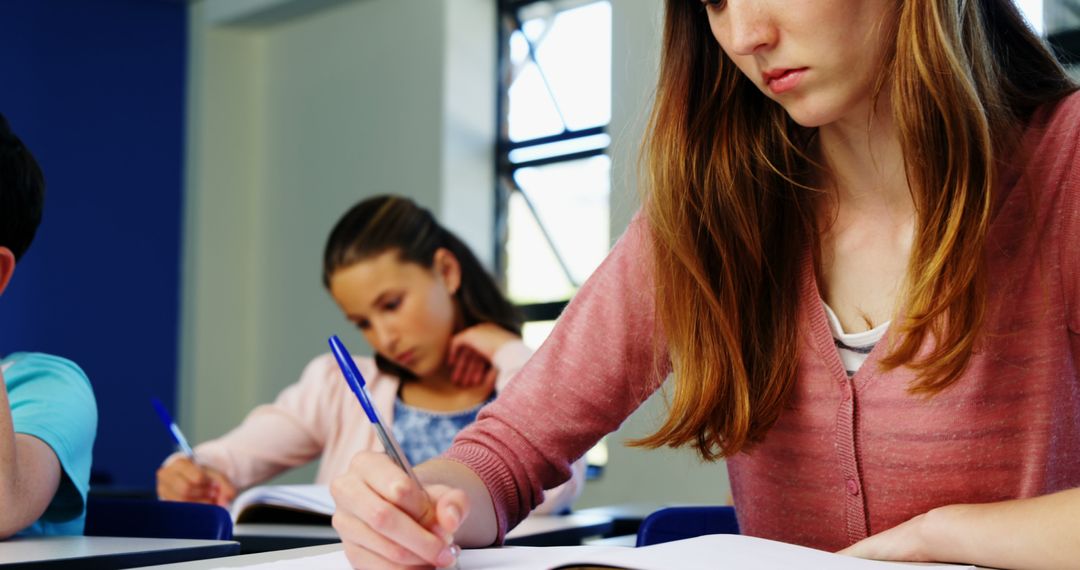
(847, 458)
(319, 418)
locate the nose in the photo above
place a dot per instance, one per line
(385, 337)
(750, 27)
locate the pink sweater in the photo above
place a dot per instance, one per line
(318, 417)
(847, 458)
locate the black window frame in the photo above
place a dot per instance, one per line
(507, 22)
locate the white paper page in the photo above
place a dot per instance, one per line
(315, 498)
(714, 552)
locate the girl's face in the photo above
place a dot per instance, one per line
(406, 312)
(819, 59)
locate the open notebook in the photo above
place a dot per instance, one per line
(712, 552)
(284, 504)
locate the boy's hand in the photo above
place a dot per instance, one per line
(183, 480)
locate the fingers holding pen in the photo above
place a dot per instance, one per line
(183, 480)
(377, 550)
(385, 518)
(451, 508)
(221, 489)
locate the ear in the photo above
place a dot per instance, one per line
(448, 267)
(7, 267)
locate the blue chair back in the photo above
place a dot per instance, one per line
(677, 523)
(150, 518)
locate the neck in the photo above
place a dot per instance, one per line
(438, 381)
(437, 392)
(865, 161)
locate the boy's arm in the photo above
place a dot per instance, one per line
(29, 473)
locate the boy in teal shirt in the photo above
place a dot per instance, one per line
(48, 417)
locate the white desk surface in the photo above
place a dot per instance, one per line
(266, 557)
(541, 524)
(21, 550)
(249, 559)
(531, 526)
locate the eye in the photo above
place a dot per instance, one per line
(363, 324)
(714, 4)
(392, 304)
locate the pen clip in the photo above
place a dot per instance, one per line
(353, 376)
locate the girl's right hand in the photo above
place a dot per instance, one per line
(183, 480)
(472, 354)
(386, 520)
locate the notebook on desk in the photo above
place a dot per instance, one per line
(284, 504)
(712, 552)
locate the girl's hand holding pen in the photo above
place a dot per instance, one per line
(182, 480)
(387, 521)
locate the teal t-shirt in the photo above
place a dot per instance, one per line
(51, 399)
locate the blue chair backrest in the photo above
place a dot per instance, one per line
(150, 518)
(677, 523)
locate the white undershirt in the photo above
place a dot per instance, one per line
(854, 347)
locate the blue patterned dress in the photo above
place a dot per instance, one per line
(424, 434)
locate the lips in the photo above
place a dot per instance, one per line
(779, 80)
(406, 358)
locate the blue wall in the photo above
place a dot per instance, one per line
(96, 91)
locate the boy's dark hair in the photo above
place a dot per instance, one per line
(384, 223)
(22, 192)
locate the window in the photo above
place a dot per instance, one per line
(1062, 29)
(1033, 12)
(554, 173)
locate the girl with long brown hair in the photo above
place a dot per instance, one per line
(857, 257)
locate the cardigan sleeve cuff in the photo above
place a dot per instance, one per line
(498, 480)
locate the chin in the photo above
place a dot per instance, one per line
(810, 118)
(813, 110)
(421, 369)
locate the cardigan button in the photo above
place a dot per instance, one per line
(852, 487)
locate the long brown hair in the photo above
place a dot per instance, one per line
(394, 223)
(732, 213)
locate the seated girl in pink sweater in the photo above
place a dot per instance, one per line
(446, 343)
(859, 255)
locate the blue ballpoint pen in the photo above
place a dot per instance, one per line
(174, 430)
(357, 383)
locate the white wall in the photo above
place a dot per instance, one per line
(290, 123)
(294, 118)
(219, 324)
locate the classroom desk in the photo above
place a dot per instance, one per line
(259, 537)
(105, 552)
(559, 530)
(267, 557)
(534, 531)
(249, 559)
(625, 517)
